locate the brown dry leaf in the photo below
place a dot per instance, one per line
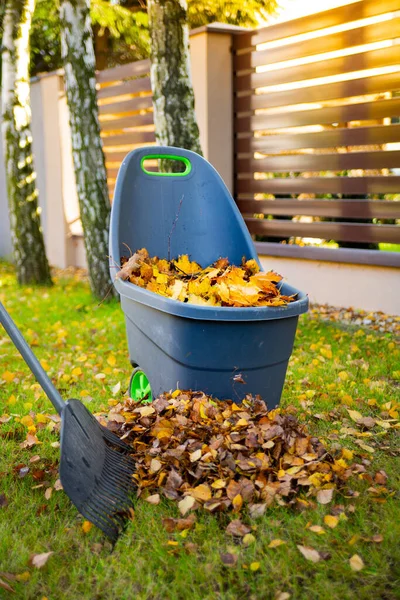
(237, 528)
(58, 485)
(154, 499)
(325, 496)
(39, 560)
(228, 559)
(356, 563)
(48, 493)
(6, 587)
(172, 525)
(3, 501)
(282, 596)
(309, 553)
(377, 539)
(381, 478)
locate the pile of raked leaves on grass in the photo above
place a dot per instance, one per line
(220, 456)
(219, 284)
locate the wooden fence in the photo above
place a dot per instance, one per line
(316, 142)
(126, 112)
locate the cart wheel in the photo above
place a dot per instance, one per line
(139, 387)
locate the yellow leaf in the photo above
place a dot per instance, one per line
(237, 502)
(76, 371)
(344, 376)
(176, 393)
(12, 400)
(242, 423)
(172, 543)
(27, 421)
(84, 393)
(354, 539)
(354, 415)
(275, 543)
(25, 576)
(248, 539)
(356, 562)
(331, 521)
(184, 264)
(195, 456)
(86, 526)
(254, 566)
(327, 352)
(218, 484)
(347, 454)
(41, 418)
(112, 361)
(201, 492)
(146, 411)
(82, 358)
(8, 377)
(186, 504)
(28, 405)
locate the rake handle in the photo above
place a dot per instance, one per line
(31, 360)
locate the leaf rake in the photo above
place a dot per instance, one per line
(95, 467)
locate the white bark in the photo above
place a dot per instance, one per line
(173, 97)
(90, 172)
(26, 233)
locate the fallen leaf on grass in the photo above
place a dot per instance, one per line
(172, 525)
(186, 504)
(377, 539)
(154, 499)
(317, 529)
(58, 485)
(248, 539)
(237, 528)
(325, 496)
(309, 553)
(39, 560)
(282, 596)
(86, 526)
(48, 493)
(6, 587)
(356, 563)
(254, 566)
(331, 521)
(228, 559)
(275, 543)
(3, 501)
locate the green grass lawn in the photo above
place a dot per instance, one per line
(334, 367)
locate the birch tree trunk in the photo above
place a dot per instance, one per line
(173, 97)
(26, 232)
(90, 171)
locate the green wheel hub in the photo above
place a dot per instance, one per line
(139, 387)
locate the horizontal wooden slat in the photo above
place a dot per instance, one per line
(345, 232)
(314, 22)
(126, 106)
(354, 136)
(140, 67)
(320, 185)
(375, 32)
(320, 93)
(373, 59)
(132, 137)
(364, 111)
(350, 209)
(320, 162)
(128, 87)
(127, 122)
(116, 157)
(342, 255)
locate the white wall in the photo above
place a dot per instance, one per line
(339, 284)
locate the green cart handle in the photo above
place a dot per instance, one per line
(183, 159)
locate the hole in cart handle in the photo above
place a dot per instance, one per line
(152, 157)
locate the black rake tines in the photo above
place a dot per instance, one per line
(109, 504)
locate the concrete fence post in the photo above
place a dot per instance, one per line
(212, 76)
